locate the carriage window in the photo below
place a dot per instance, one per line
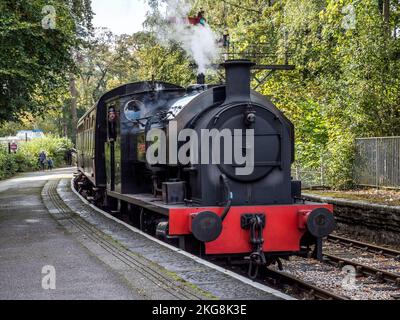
(133, 110)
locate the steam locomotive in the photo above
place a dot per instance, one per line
(206, 208)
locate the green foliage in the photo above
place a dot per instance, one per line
(49, 122)
(108, 61)
(26, 158)
(346, 82)
(338, 164)
(8, 165)
(311, 134)
(11, 128)
(35, 61)
(105, 62)
(158, 62)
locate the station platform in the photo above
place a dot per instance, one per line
(45, 224)
(363, 219)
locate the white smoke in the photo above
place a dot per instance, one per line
(198, 41)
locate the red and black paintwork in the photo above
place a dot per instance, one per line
(285, 227)
(207, 206)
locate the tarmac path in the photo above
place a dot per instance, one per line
(54, 246)
(32, 243)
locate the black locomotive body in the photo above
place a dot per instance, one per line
(209, 205)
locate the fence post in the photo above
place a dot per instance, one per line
(386, 168)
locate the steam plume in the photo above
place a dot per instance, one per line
(198, 41)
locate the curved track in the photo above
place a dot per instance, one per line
(119, 252)
(309, 290)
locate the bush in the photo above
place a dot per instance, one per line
(340, 161)
(8, 165)
(26, 158)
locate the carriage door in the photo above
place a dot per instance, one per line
(110, 147)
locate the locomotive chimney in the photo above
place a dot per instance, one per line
(237, 80)
(201, 78)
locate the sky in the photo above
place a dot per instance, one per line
(120, 16)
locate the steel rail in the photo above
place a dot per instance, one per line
(305, 287)
(112, 248)
(317, 292)
(364, 246)
(281, 277)
(364, 269)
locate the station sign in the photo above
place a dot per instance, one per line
(13, 147)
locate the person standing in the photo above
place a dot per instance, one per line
(69, 157)
(42, 160)
(50, 164)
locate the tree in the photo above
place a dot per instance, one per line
(346, 81)
(35, 61)
(108, 61)
(163, 63)
(104, 62)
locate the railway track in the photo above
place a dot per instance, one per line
(317, 292)
(308, 290)
(364, 269)
(110, 246)
(364, 246)
(302, 288)
(281, 280)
